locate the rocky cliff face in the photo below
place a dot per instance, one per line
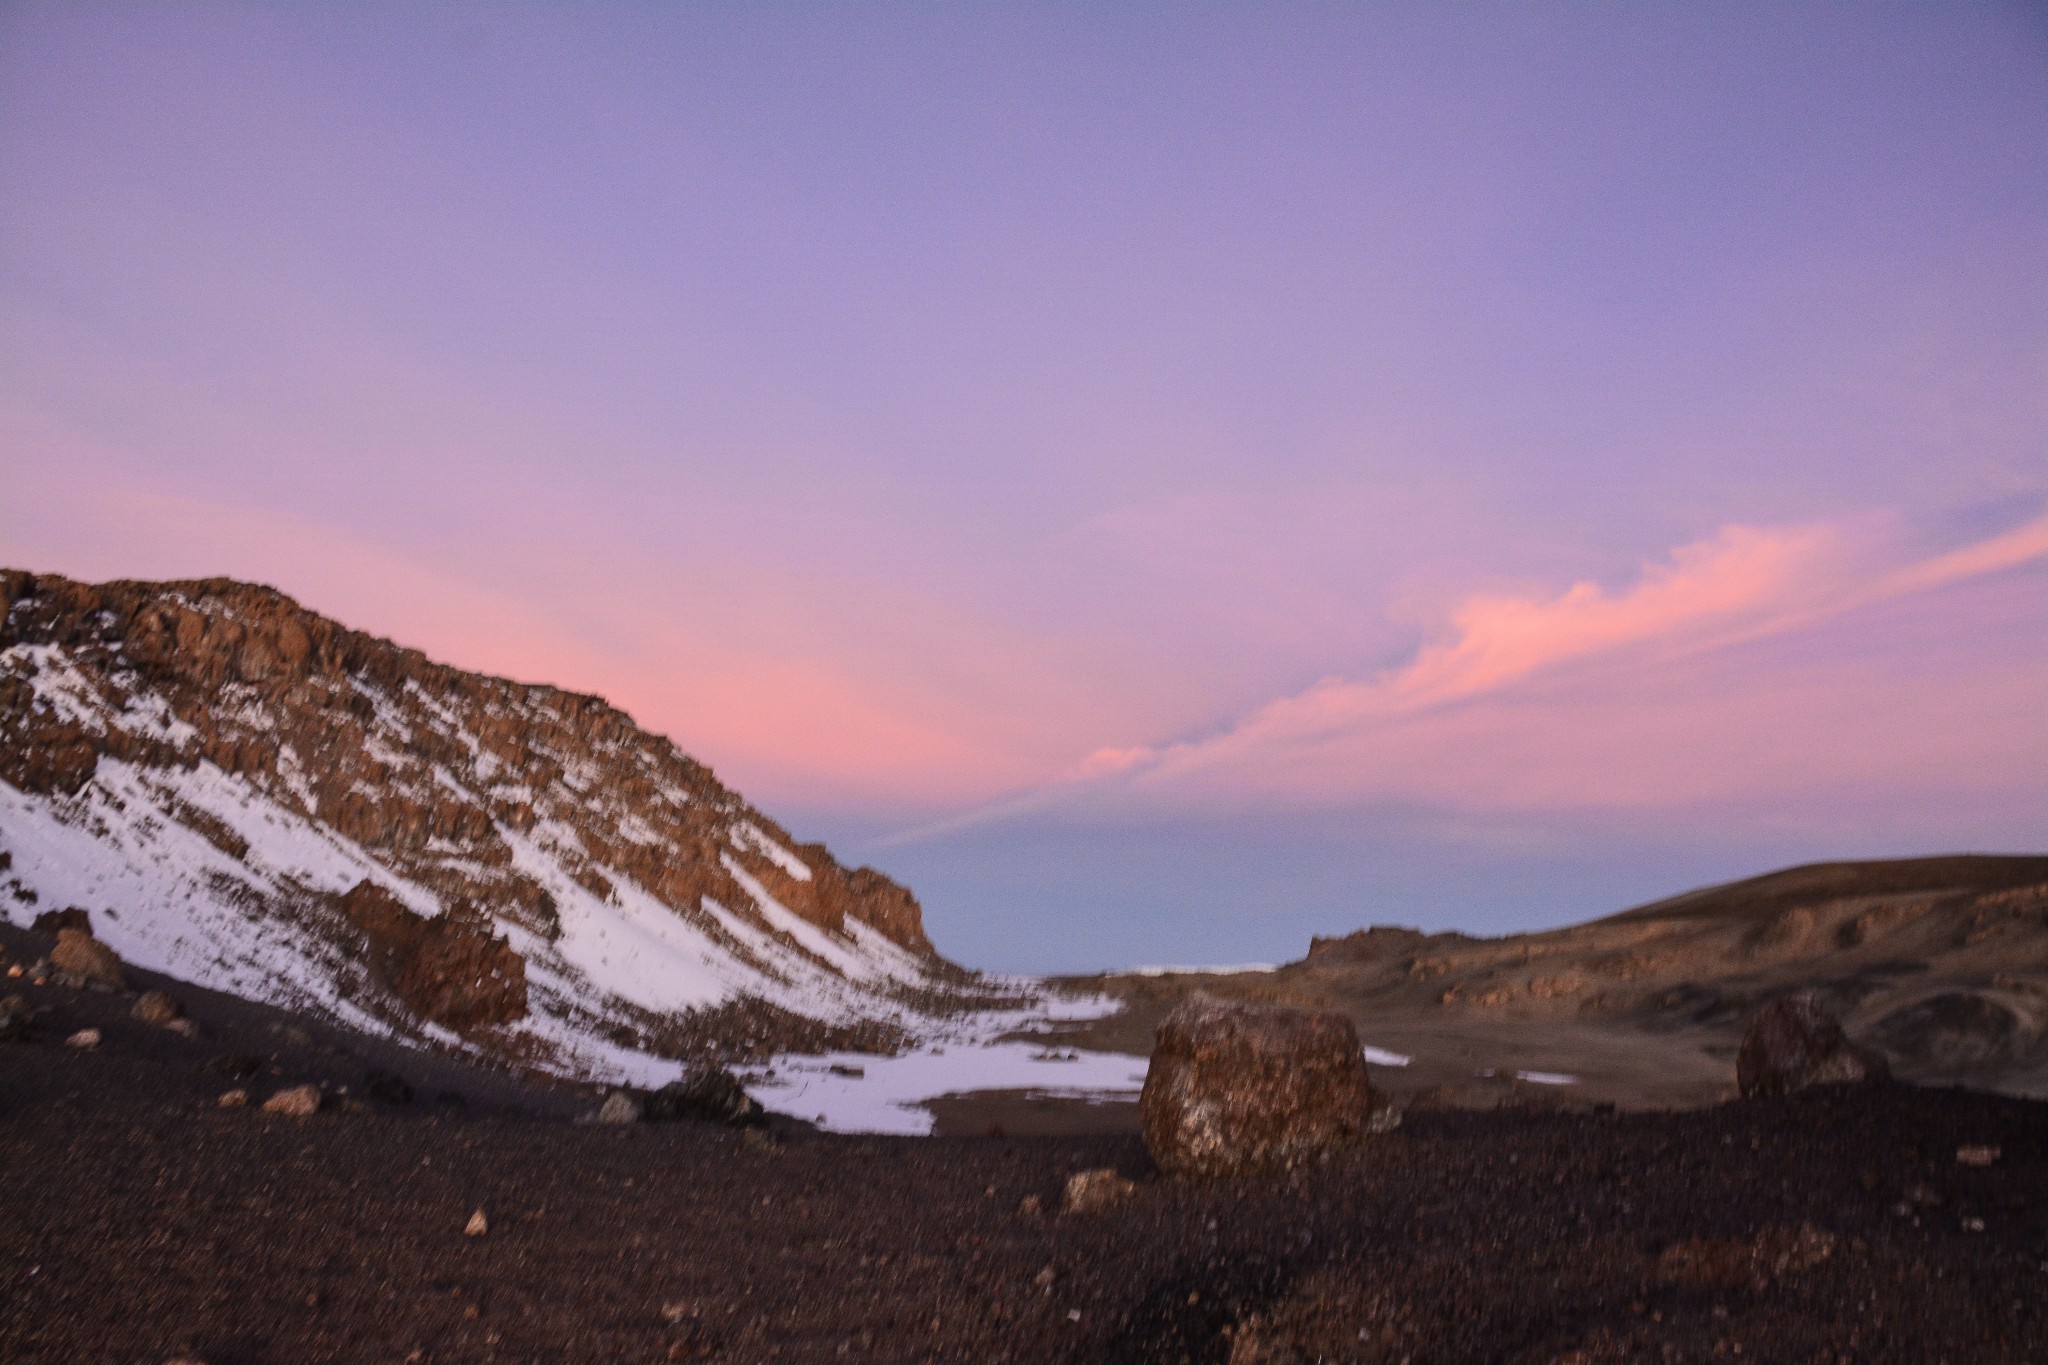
(247, 794)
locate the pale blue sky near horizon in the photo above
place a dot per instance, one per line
(1163, 480)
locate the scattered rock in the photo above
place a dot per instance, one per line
(54, 922)
(1030, 1206)
(233, 1099)
(1096, 1190)
(184, 1028)
(708, 1093)
(1234, 1088)
(1977, 1155)
(16, 1019)
(300, 1101)
(1794, 1043)
(157, 1007)
(618, 1107)
(85, 1038)
(84, 960)
(477, 1225)
(1728, 1263)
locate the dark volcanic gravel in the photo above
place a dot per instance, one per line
(139, 1223)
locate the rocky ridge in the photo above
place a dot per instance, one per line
(247, 795)
(1937, 965)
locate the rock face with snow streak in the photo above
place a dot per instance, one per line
(1236, 1089)
(258, 799)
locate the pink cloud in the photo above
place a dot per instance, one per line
(1647, 696)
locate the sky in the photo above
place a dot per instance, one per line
(1163, 481)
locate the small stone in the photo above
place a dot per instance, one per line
(300, 1101)
(157, 1007)
(184, 1028)
(477, 1225)
(85, 1037)
(1093, 1191)
(15, 970)
(233, 1099)
(1030, 1206)
(1977, 1155)
(618, 1107)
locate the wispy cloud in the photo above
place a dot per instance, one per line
(1343, 737)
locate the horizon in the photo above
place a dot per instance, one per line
(1159, 484)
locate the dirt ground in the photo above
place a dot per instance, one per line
(141, 1223)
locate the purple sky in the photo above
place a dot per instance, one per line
(1163, 481)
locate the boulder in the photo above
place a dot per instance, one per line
(84, 960)
(16, 1019)
(53, 922)
(1235, 1089)
(710, 1094)
(1794, 1043)
(157, 1007)
(387, 1088)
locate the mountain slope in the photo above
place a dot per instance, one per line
(244, 794)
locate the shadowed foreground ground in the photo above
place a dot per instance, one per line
(140, 1224)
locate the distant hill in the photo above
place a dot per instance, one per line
(1940, 962)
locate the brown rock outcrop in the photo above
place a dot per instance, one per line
(1794, 1043)
(451, 969)
(87, 961)
(1234, 1089)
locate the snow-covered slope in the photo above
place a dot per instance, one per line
(210, 770)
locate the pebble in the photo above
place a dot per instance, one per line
(1977, 1155)
(85, 1037)
(619, 1107)
(300, 1101)
(477, 1225)
(233, 1099)
(1092, 1191)
(184, 1028)
(156, 1007)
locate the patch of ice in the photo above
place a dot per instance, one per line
(888, 1093)
(1546, 1078)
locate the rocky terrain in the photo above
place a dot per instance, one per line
(263, 1187)
(252, 798)
(1939, 964)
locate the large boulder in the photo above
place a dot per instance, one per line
(83, 960)
(1235, 1089)
(1794, 1043)
(707, 1093)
